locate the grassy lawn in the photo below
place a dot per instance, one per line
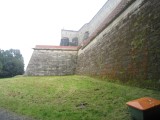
(69, 98)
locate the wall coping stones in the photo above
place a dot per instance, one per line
(50, 47)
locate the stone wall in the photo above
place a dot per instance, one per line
(124, 44)
(52, 60)
(128, 47)
(81, 33)
(96, 21)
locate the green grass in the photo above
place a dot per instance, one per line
(69, 98)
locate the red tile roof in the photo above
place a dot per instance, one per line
(49, 47)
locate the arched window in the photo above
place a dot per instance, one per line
(64, 41)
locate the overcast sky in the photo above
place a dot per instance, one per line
(26, 23)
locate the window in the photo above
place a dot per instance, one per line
(75, 41)
(64, 41)
(86, 35)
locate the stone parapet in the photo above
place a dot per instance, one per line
(50, 47)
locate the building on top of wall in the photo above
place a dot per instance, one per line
(74, 38)
(69, 38)
(90, 30)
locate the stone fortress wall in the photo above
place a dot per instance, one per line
(96, 21)
(52, 60)
(120, 42)
(128, 48)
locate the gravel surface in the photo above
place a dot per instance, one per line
(7, 115)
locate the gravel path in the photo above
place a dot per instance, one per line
(7, 115)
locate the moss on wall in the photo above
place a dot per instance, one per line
(129, 50)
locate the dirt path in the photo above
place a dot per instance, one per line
(7, 115)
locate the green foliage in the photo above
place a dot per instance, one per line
(137, 43)
(69, 98)
(11, 63)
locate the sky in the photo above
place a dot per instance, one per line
(26, 23)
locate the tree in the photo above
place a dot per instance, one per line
(11, 63)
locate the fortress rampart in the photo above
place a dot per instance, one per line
(120, 42)
(52, 60)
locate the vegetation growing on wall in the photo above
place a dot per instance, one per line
(128, 49)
